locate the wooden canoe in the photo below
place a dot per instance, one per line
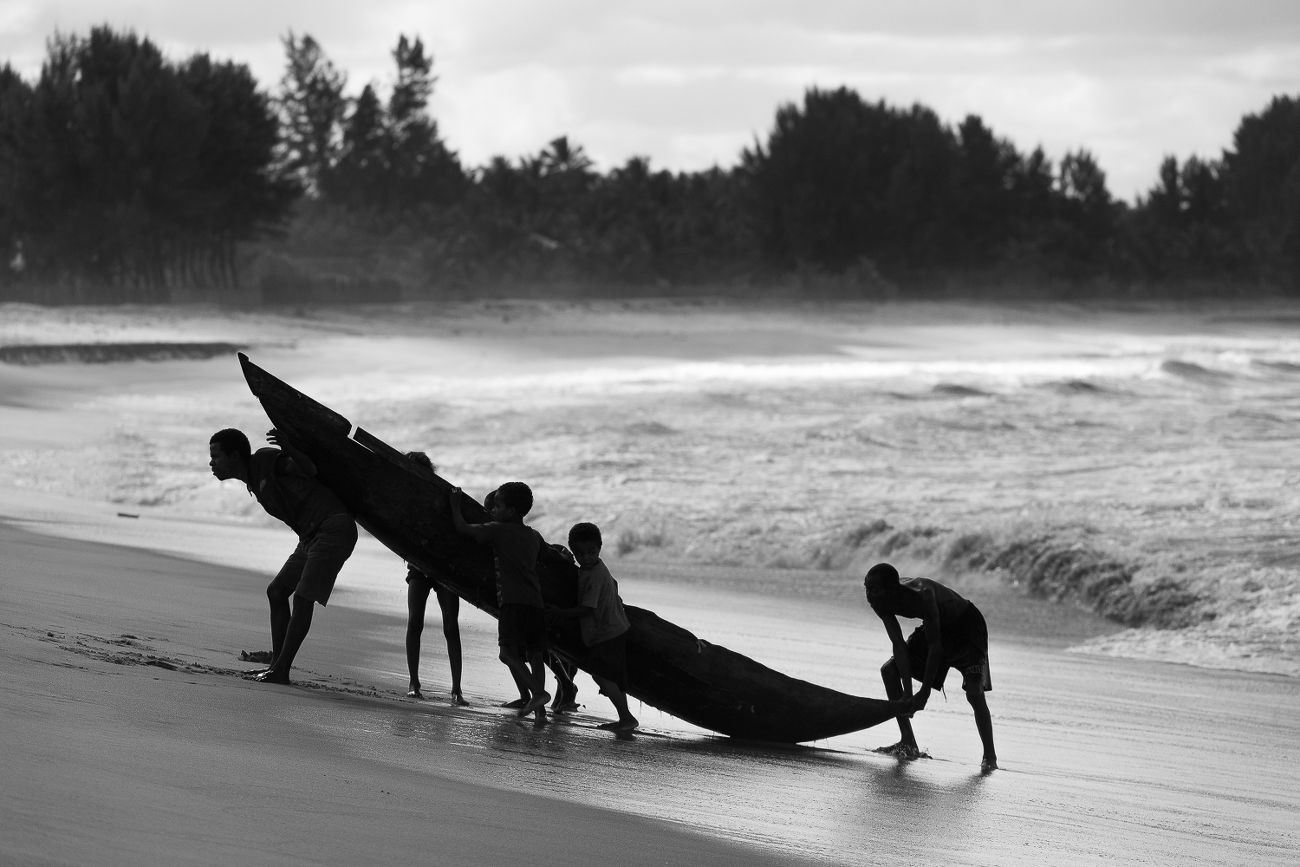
(668, 667)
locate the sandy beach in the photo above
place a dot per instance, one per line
(127, 735)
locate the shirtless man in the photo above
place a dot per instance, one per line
(952, 634)
(284, 481)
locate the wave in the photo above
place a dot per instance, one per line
(1276, 366)
(650, 428)
(1059, 567)
(1078, 386)
(950, 389)
(1194, 372)
(112, 353)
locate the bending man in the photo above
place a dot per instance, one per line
(284, 481)
(952, 634)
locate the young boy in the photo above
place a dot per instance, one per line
(521, 624)
(952, 634)
(603, 622)
(283, 481)
(520, 684)
(418, 586)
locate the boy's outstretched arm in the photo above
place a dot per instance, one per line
(462, 526)
(453, 506)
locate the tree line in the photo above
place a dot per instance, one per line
(127, 177)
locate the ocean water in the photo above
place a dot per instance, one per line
(1139, 462)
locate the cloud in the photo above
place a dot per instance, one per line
(692, 83)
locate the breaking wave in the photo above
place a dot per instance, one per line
(1060, 568)
(1288, 367)
(1194, 372)
(1078, 387)
(949, 389)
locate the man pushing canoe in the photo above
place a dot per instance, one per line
(952, 634)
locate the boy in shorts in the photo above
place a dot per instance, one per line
(284, 482)
(602, 621)
(952, 634)
(521, 623)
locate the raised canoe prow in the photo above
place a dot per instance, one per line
(668, 667)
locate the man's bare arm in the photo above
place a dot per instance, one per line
(934, 650)
(901, 658)
(301, 462)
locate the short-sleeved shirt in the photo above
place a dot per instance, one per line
(598, 590)
(515, 546)
(300, 501)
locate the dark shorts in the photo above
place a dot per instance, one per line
(608, 659)
(448, 601)
(522, 626)
(313, 567)
(965, 648)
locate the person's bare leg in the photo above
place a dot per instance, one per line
(565, 689)
(524, 693)
(280, 617)
(626, 722)
(299, 625)
(416, 597)
(524, 676)
(894, 689)
(984, 724)
(537, 704)
(450, 605)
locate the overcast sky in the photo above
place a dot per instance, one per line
(689, 84)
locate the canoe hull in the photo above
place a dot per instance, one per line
(669, 668)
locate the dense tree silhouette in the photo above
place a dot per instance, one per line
(126, 176)
(19, 166)
(1181, 231)
(984, 206)
(311, 106)
(359, 176)
(1262, 175)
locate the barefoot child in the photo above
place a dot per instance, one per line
(602, 621)
(520, 684)
(521, 623)
(952, 634)
(418, 586)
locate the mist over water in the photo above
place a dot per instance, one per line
(1139, 463)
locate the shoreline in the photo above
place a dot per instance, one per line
(1074, 526)
(258, 548)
